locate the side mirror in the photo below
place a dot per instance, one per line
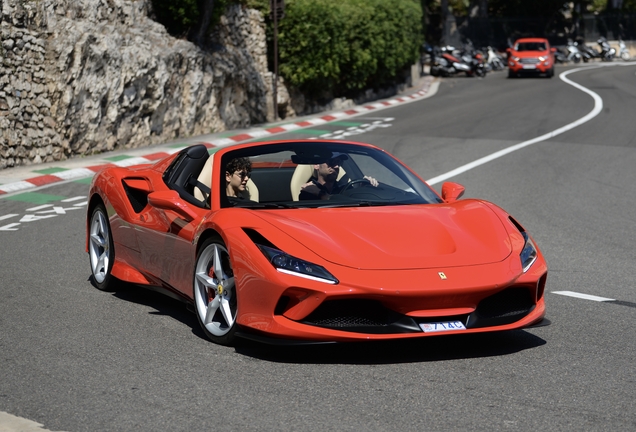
(553, 50)
(170, 200)
(452, 191)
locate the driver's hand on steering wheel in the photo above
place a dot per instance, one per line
(371, 180)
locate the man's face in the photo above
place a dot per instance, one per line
(237, 180)
(329, 170)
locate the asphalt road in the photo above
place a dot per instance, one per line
(77, 359)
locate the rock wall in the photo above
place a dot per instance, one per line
(79, 77)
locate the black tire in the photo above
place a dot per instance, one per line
(101, 249)
(214, 292)
(511, 74)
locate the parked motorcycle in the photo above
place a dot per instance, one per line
(573, 53)
(447, 61)
(560, 57)
(607, 52)
(588, 52)
(623, 52)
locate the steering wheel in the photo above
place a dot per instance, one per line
(353, 182)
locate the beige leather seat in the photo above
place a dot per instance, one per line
(301, 175)
(205, 177)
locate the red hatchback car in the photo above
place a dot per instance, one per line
(531, 56)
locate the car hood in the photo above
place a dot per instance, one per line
(466, 232)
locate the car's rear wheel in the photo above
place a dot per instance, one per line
(215, 299)
(101, 250)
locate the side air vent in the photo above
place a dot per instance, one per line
(503, 308)
(137, 197)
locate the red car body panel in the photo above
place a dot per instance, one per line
(531, 56)
(422, 261)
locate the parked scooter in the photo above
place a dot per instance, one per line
(494, 59)
(573, 55)
(607, 52)
(623, 52)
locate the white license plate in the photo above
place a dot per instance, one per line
(442, 326)
(529, 66)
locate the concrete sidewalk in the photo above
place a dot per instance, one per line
(23, 178)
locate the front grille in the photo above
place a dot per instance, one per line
(361, 316)
(349, 313)
(529, 61)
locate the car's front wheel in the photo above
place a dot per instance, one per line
(100, 249)
(215, 299)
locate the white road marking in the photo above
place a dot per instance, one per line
(44, 211)
(77, 198)
(58, 210)
(598, 107)
(39, 207)
(31, 218)
(583, 296)
(11, 423)
(10, 227)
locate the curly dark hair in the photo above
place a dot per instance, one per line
(239, 164)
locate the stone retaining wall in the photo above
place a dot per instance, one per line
(79, 77)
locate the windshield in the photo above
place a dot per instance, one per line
(318, 174)
(530, 46)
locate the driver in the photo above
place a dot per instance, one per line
(323, 183)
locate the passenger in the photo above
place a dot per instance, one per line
(237, 173)
(324, 181)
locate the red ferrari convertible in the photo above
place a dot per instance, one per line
(311, 242)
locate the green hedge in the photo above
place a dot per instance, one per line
(341, 46)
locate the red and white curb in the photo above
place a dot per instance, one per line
(89, 171)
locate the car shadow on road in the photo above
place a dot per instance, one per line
(162, 301)
(428, 349)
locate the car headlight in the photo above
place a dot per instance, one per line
(286, 263)
(542, 58)
(528, 253)
(516, 58)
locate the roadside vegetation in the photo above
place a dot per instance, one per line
(327, 47)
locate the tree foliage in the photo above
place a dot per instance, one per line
(180, 17)
(341, 46)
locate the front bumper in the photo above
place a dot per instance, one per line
(523, 66)
(384, 305)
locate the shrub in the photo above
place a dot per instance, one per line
(346, 45)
